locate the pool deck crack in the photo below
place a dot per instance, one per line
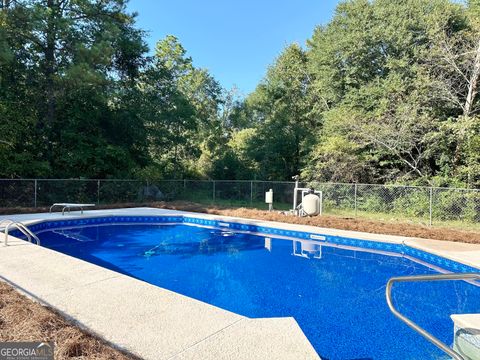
(205, 338)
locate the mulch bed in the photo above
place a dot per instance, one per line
(22, 319)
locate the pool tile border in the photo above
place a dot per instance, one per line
(191, 219)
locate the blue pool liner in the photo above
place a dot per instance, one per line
(273, 232)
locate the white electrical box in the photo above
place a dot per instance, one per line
(269, 196)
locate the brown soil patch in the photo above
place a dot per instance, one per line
(22, 319)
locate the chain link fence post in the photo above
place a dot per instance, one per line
(35, 193)
(355, 199)
(98, 192)
(183, 192)
(251, 193)
(213, 186)
(431, 206)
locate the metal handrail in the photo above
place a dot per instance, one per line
(21, 227)
(27, 232)
(422, 278)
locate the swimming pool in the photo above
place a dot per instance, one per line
(335, 294)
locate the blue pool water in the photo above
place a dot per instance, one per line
(337, 296)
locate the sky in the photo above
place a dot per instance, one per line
(236, 40)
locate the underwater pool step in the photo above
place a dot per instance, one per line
(466, 338)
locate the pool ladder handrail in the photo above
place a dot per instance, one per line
(423, 278)
(21, 227)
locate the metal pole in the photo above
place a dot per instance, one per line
(321, 202)
(213, 181)
(295, 197)
(98, 192)
(35, 194)
(251, 193)
(355, 199)
(422, 278)
(431, 205)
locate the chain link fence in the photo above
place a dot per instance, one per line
(425, 205)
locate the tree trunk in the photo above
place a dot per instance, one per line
(50, 65)
(473, 83)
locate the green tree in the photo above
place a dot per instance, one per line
(286, 123)
(72, 62)
(375, 75)
(184, 110)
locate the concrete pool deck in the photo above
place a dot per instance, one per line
(146, 320)
(156, 323)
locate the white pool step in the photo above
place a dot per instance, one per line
(467, 335)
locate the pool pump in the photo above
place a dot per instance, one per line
(311, 200)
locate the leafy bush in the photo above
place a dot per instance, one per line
(456, 205)
(415, 203)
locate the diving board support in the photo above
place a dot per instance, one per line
(69, 206)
